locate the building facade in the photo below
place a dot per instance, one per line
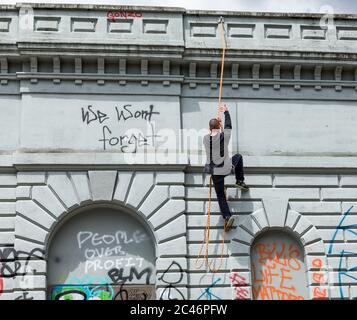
(102, 114)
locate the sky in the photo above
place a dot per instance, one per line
(301, 6)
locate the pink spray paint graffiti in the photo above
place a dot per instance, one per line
(114, 15)
(239, 282)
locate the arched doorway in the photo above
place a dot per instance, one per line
(278, 267)
(102, 254)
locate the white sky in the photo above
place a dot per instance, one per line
(338, 6)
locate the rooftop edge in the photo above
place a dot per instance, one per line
(63, 6)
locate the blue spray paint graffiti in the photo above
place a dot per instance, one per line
(344, 253)
(208, 292)
(82, 292)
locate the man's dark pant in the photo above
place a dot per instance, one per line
(218, 183)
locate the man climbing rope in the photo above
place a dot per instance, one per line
(219, 164)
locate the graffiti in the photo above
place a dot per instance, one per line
(99, 246)
(132, 292)
(126, 292)
(121, 293)
(102, 261)
(111, 264)
(207, 292)
(83, 292)
(131, 140)
(341, 227)
(273, 271)
(13, 263)
(80, 289)
(319, 278)
(116, 275)
(123, 114)
(93, 253)
(24, 296)
(345, 273)
(170, 289)
(127, 114)
(90, 115)
(239, 282)
(129, 143)
(320, 293)
(120, 237)
(114, 15)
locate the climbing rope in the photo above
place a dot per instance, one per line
(223, 41)
(207, 233)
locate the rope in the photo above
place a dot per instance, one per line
(207, 233)
(206, 240)
(222, 66)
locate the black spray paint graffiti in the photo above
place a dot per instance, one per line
(24, 296)
(128, 142)
(169, 291)
(14, 263)
(90, 115)
(117, 277)
(127, 114)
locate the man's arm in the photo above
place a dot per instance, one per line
(227, 120)
(227, 124)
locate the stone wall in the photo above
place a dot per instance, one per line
(86, 89)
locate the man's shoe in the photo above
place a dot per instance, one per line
(242, 185)
(228, 223)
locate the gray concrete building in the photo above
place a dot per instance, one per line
(102, 114)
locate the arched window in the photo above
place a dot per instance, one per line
(278, 268)
(102, 254)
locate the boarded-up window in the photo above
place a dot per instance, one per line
(102, 254)
(278, 268)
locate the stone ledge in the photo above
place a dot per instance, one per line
(89, 158)
(173, 9)
(25, 161)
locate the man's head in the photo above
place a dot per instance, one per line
(214, 124)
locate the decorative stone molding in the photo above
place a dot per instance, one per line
(43, 205)
(275, 215)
